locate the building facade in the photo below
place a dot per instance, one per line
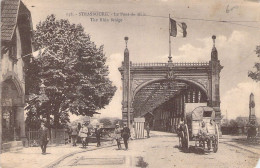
(16, 47)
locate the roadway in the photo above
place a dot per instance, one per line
(161, 151)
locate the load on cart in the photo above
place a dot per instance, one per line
(199, 126)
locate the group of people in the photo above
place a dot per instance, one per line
(122, 133)
(83, 132)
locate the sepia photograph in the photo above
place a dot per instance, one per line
(130, 83)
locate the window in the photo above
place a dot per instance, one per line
(207, 113)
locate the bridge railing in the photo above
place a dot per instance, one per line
(191, 64)
(149, 64)
(178, 64)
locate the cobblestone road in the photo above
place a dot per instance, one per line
(161, 151)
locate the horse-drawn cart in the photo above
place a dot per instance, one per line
(199, 126)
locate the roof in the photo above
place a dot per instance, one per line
(9, 16)
(198, 113)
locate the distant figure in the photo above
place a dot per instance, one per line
(167, 126)
(43, 138)
(98, 132)
(83, 133)
(252, 130)
(117, 133)
(79, 126)
(180, 127)
(203, 134)
(148, 130)
(74, 135)
(125, 135)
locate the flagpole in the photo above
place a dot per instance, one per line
(170, 54)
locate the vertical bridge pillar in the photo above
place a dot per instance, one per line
(214, 96)
(127, 91)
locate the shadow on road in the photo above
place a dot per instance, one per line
(141, 163)
(193, 149)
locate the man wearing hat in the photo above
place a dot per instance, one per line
(43, 138)
(74, 135)
(84, 134)
(117, 133)
(98, 132)
(126, 135)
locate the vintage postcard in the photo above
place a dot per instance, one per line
(130, 83)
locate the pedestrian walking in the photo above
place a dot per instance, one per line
(98, 132)
(125, 135)
(74, 135)
(83, 133)
(43, 138)
(79, 126)
(148, 130)
(117, 134)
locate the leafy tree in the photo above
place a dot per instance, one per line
(117, 121)
(256, 74)
(233, 123)
(73, 70)
(106, 122)
(241, 121)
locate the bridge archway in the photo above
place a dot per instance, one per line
(152, 95)
(148, 87)
(158, 80)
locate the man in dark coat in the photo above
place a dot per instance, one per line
(98, 133)
(125, 135)
(43, 138)
(74, 135)
(79, 126)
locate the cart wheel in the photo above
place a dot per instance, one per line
(215, 148)
(186, 138)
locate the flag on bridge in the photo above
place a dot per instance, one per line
(178, 29)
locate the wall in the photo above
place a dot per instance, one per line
(14, 71)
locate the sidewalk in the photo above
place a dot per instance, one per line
(240, 142)
(32, 157)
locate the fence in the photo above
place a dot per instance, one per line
(57, 136)
(139, 127)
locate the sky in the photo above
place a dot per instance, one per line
(148, 33)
